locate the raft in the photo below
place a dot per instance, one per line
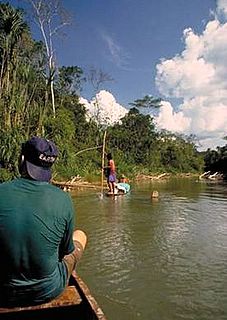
(76, 303)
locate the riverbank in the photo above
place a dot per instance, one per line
(80, 182)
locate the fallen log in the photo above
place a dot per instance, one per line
(204, 175)
(76, 184)
(160, 176)
(151, 177)
(211, 176)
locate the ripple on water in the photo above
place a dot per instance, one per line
(163, 260)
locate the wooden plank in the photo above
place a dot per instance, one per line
(70, 296)
(76, 302)
(84, 291)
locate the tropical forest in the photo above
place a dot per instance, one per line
(39, 97)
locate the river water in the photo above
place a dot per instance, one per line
(157, 260)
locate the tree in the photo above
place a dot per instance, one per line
(147, 102)
(70, 79)
(135, 135)
(12, 27)
(178, 153)
(51, 17)
(97, 77)
(216, 160)
(14, 34)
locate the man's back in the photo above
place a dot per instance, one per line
(36, 225)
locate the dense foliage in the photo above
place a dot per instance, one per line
(216, 160)
(26, 108)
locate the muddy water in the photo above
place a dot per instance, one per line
(161, 260)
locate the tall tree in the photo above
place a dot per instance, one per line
(135, 135)
(50, 17)
(12, 27)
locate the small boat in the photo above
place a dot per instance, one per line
(76, 303)
(121, 188)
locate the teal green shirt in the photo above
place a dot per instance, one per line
(36, 227)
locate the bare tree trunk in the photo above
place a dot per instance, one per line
(46, 13)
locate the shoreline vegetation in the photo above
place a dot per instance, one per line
(78, 182)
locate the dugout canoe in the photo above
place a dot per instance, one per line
(76, 303)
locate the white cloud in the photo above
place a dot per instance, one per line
(171, 120)
(198, 76)
(222, 7)
(104, 109)
(115, 52)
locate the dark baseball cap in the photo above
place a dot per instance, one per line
(39, 155)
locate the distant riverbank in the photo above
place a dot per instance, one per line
(80, 182)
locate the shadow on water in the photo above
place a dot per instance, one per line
(163, 259)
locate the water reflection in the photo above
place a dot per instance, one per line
(157, 260)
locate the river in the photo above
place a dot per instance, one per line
(157, 260)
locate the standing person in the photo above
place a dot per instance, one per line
(39, 247)
(111, 173)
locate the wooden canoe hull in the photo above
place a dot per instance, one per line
(116, 194)
(75, 303)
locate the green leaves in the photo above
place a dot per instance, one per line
(147, 102)
(70, 79)
(26, 109)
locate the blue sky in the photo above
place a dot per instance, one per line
(173, 49)
(127, 38)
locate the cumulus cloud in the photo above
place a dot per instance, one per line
(198, 76)
(171, 120)
(104, 109)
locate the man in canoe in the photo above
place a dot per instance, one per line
(39, 247)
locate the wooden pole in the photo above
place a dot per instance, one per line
(103, 161)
